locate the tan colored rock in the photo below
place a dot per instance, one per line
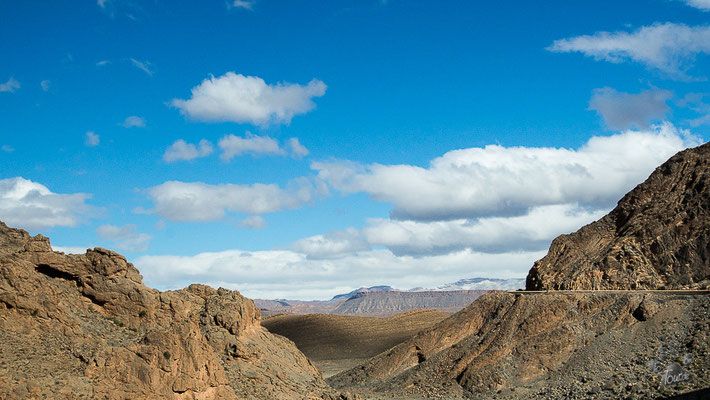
(85, 326)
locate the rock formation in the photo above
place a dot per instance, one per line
(657, 237)
(581, 344)
(84, 326)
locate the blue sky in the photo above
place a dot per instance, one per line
(344, 143)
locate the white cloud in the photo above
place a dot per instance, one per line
(45, 84)
(334, 244)
(143, 66)
(102, 63)
(670, 48)
(704, 120)
(232, 145)
(248, 99)
(247, 5)
(30, 205)
(183, 151)
(289, 274)
(505, 181)
(622, 111)
(125, 237)
(10, 86)
(71, 249)
(91, 139)
(197, 201)
(133, 122)
(297, 149)
(530, 232)
(7, 148)
(253, 222)
(102, 3)
(699, 4)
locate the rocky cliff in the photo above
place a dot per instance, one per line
(658, 236)
(84, 326)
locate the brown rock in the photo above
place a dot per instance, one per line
(84, 326)
(658, 236)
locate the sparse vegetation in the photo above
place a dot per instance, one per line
(166, 354)
(142, 314)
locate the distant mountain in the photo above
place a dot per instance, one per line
(381, 288)
(385, 303)
(383, 300)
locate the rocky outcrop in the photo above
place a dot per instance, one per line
(658, 236)
(84, 326)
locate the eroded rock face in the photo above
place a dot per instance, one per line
(658, 236)
(84, 326)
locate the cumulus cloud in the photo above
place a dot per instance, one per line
(248, 99)
(183, 151)
(621, 111)
(289, 274)
(699, 4)
(45, 85)
(253, 222)
(670, 48)
(125, 237)
(247, 5)
(144, 66)
(91, 139)
(7, 148)
(297, 149)
(102, 3)
(506, 181)
(133, 122)
(197, 201)
(32, 206)
(334, 244)
(10, 86)
(232, 145)
(532, 231)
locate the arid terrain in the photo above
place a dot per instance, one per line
(335, 343)
(623, 312)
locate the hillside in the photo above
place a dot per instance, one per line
(335, 342)
(552, 345)
(85, 326)
(580, 344)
